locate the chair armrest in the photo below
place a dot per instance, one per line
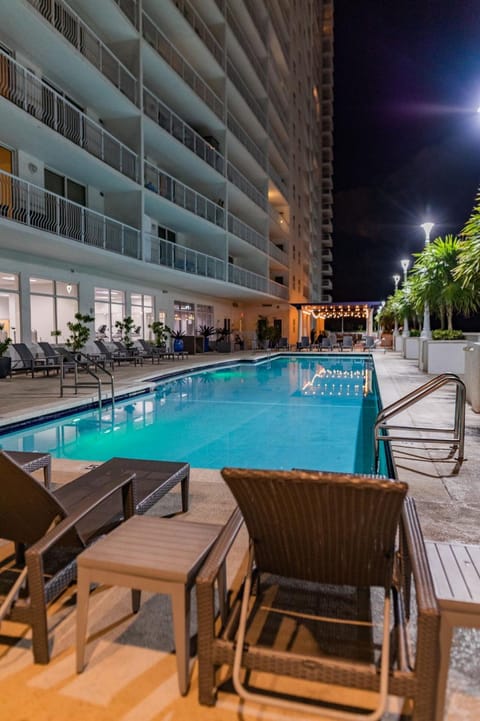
(417, 560)
(88, 504)
(219, 551)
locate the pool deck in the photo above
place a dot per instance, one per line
(130, 674)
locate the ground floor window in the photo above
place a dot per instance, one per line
(141, 310)
(184, 317)
(204, 315)
(109, 307)
(10, 305)
(53, 305)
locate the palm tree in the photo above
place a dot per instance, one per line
(435, 281)
(467, 271)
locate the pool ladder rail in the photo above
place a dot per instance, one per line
(454, 437)
(90, 366)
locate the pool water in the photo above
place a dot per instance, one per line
(307, 411)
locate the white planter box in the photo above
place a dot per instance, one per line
(445, 356)
(398, 342)
(472, 375)
(410, 348)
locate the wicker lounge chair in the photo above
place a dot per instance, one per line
(55, 527)
(321, 544)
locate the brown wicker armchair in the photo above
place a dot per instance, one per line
(50, 531)
(323, 545)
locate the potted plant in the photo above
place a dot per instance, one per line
(126, 327)
(159, 331)
(79, 331)
(178, 336)
(223, 340)
(5, 360)
(56, 334)
(206, 331)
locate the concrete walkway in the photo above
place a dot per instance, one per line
(130, 674)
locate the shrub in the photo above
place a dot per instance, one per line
(414, 333)
(447, 335)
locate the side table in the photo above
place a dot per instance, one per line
(455, 570)
(146, 553)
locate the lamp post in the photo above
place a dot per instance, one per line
(405, 263)
(396, 280)
(426, 332)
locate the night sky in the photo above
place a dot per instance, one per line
(406, 138)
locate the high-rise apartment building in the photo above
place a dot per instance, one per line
(164, 159)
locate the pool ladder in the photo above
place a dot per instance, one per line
(454, 437)
(81, 361)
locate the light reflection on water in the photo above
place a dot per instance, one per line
(303, 411)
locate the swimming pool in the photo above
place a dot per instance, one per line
(309, 411)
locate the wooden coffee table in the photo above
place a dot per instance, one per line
(146, 553)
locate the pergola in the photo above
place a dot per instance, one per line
(308, 313)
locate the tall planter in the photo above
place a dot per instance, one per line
(5, 366)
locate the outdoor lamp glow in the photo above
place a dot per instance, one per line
(426, 332)
(405, 263)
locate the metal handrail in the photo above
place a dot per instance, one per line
(83, 361)
(457, 440)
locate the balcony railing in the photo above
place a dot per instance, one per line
(242, 38)
(247, 279)
(37, 98)
(277, 103)
(242, 135)
(180, 194)
(73, 29)
(173, 124)
(278, 254)
(202, 30)
(246, 233)
(278, 290)
(177, 257)
(247, 95)
(31, 205)
(238, 179)
(130, 9)
(154, 36)
(280, 182)
(279, 31)
(279, 144)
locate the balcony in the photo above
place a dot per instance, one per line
(242, 135)
(186, 260)
(130, 9)
(244, 42)
(154, 37)
(278, 290)
(73, 29)
(279, 219)
(247, 279)
(173, 124)
(278, 254)
(246, 233)
(31, 205)
(202, 30)
(176, 192)
(278, 180)
(25, 90)
(250, 99)
(238, 179)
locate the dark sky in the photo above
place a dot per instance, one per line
(407, 137)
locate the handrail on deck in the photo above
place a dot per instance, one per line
(84, 362)
(455, 436)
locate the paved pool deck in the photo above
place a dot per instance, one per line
(130, 674)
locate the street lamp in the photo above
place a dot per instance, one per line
(405, 263)
(426, 332)
(396, 280)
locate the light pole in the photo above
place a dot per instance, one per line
(405, 263)
(396, 280)
(426, 332)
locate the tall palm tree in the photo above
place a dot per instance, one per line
(468, 267)
(435, 281)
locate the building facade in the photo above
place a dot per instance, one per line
(165, 159)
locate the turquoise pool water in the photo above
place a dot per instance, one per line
(308, 411)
